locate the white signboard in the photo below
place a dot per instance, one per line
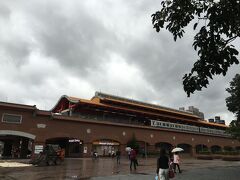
(85, 149)
(41, 125)
(38, 149)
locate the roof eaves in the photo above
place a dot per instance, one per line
(22, 106)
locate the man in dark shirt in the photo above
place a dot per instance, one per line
(118, 154)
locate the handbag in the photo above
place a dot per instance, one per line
(171, 174)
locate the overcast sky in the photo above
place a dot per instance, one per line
(57, 47)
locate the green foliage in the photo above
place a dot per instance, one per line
(205, 152)
(233, 104)
(233, 101)
(234, 129)
(218, 152)
(219, 25)
(133, 143)
(230, 153)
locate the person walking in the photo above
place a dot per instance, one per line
(176, 161)
(118, 155)
(133, 159)
(163, 165)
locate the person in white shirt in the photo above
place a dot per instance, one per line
(176, 162)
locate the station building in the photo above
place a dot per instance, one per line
(104, 124)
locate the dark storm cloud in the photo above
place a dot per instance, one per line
(78, 41)
(164, 62)
(51, 48)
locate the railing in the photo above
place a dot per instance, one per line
(157, 123)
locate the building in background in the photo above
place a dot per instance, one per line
(194, 111)
(217, 120)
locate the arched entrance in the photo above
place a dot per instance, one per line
(215, 149)
(143, 148)
(105, 147)
(237, 148)
(200, 148)
(164, 145)
(73, 146)
(16, 144)
(228, 148)
(187, 149)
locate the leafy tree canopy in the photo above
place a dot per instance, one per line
(233, 104)
(133, 143)
(218, 22)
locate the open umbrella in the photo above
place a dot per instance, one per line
(128, 149)
(177, 149)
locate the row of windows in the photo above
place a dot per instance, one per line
(17, 119)
(184, 127)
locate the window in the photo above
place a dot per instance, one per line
(12, 118)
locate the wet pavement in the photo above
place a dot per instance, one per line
(107, 168)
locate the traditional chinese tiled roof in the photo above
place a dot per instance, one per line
(133, 106)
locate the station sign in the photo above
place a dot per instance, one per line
(106, 143)
(75, 140)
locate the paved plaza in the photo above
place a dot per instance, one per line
(107, 169)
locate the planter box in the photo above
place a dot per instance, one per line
(205, 157)
(230, 158)
(217, 156)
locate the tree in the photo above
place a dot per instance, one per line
(133, 143)
(218, 22)
(233, 104)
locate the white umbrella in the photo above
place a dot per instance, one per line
(177, 149)
(128, 149)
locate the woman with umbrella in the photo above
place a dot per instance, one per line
(176, 159)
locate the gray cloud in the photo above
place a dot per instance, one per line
(51, 48)
(4, 11)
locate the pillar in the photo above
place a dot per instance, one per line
(87, 149)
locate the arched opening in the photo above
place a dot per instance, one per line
(73, 146)
(164, 145)
(105, 147)
(15, 144)
(237, 148)
(216, 149)
(200, 148)
(228, 148)
(187, 149)
(143, 148)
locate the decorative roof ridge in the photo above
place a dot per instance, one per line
(63, 96)
(114, 97)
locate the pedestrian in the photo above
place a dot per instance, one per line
(163, 165)
(176, 162)
(109, 152)
(129, 154)
(133, 159)
(113, 153)
(143, 153)
(118, 155)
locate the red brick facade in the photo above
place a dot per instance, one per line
(43, 125)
